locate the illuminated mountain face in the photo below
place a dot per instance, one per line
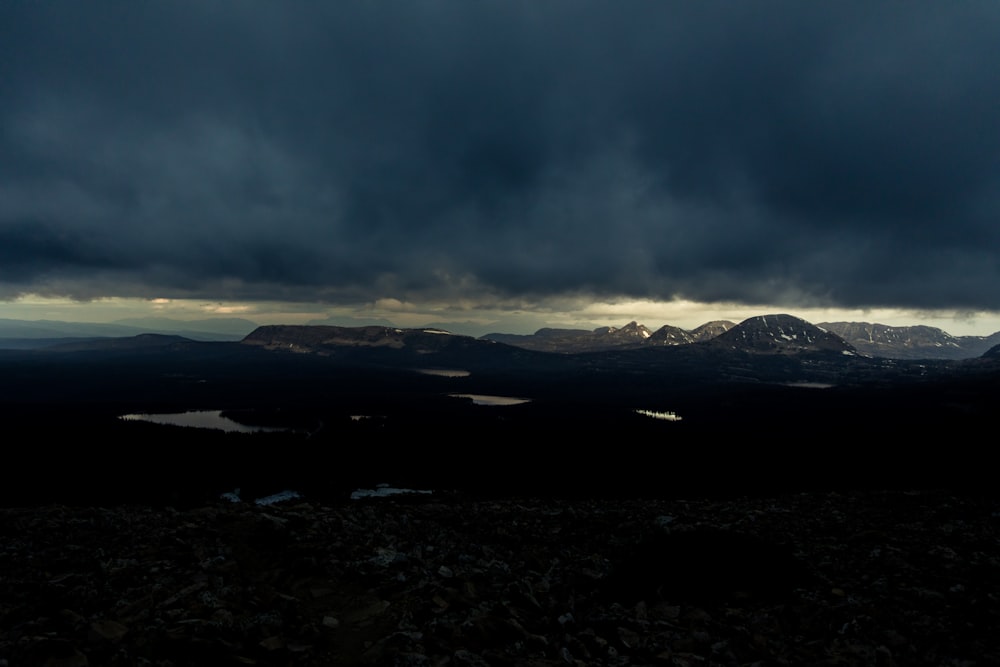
(782, 334)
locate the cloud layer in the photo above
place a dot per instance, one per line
(841, 154)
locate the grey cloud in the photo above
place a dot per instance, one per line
(824, 154)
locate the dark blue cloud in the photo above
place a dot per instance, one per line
(841, 154)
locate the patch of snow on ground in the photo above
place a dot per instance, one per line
(277, 498)
(234, 497)
(383, 490)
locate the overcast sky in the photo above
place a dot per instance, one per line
(463, 157)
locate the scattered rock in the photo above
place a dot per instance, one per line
(108, 630)
(873, 578)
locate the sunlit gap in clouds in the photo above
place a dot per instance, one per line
(108, 309)
(470, 318)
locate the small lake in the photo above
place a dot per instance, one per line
(663, 415)
(212, 419)
(484, 399)
(444, 372)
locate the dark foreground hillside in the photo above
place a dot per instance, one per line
(826, 578)
(756, 423)
(851, 519)
(759, 442)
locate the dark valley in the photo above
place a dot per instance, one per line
(770, 404)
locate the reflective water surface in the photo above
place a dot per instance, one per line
(198, 419)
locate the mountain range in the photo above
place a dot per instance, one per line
(876, 340)
(28, 334)
(763, 334)
(769, 348)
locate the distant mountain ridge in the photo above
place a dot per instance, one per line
(876, 340)
(329, 340)
(138, 342)
(632, 335)
(28, 334)
(767, 334)
(318, 338)
(911, 342)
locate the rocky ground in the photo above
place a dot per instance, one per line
(845, 578)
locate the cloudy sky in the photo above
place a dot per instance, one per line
(502, 164)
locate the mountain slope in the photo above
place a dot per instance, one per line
(632, 335)
(306, 338)
(125, 343)
(710, 330)
(402, 348)
(27, 334)
(777, 334)
(577, 340)
(910, 342)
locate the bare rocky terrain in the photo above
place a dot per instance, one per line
(826, 578)
(812, 507)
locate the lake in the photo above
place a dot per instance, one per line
(213, 419)
(483, 399)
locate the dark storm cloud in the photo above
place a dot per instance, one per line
(840, 153)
